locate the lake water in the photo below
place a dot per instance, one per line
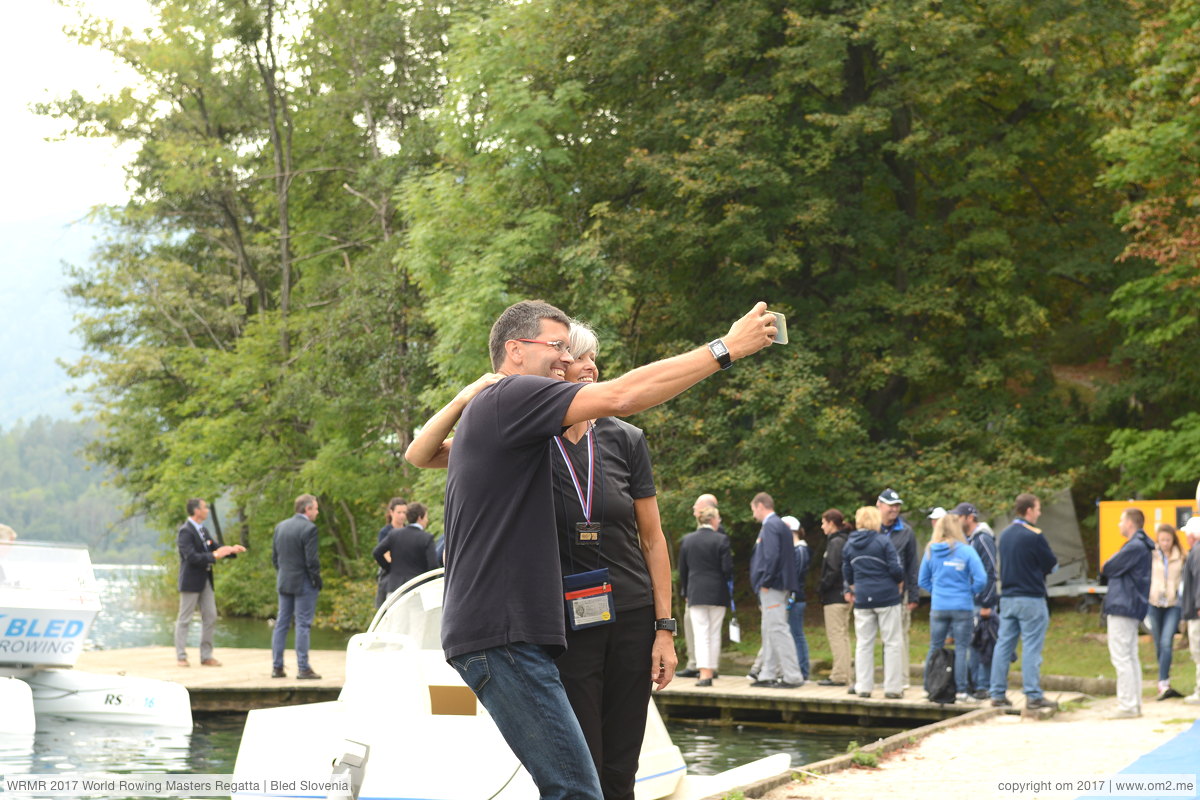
(62, 746)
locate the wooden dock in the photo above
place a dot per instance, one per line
(244, 682)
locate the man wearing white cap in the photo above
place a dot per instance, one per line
(900, 533)
(1191, 599)
(796, 610)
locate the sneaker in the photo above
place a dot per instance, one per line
(1193, 699)
(963, 697)
(851, 690)
(763, 684)
(1001, 702)
(827, 682)
(894, 695)
(277, 672)
(1041, 702)
(1123, 714)
(864, 694)
(981, 694)
(704, 682)
(308, 675)
(752, 676)
(786, 685)
(1167, 694)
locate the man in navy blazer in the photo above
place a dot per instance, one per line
(773, 577)
(198, 551)
(297, 580)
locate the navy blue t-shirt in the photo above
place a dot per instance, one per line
(503, 582)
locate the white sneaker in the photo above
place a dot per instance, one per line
(1193, 699)
(963, 697)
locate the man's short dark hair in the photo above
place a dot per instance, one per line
(415, 512)
(1025, 501)
(396, 501)
(303, 502)
(1135, 516)
(763, 499)
(521, 320)
(193, 505)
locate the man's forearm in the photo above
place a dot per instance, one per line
(642, 388)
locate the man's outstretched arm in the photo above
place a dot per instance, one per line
(654, 384)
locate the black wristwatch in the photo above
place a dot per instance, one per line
(665, 624)
(720, 353)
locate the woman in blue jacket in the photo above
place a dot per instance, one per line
(872, 571)
(953, 574)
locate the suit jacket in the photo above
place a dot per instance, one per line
(413, 553)
(294, 554)
(195, 557)
(772, 564)
(705, 568)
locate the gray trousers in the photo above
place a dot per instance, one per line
(884, 623)
(188, 603)
(779, 648)
(689, 636)
(1123, 651)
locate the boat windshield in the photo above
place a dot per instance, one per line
(415, 610)
(47, 567)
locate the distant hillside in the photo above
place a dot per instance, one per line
(48, 493)
(35, 317)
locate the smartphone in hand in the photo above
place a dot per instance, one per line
(781, 336)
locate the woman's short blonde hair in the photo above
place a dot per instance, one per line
(7, 534)
(582, 340)
(867, 519)
(706, 515)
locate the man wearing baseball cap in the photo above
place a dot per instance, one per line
(1191, 599)
(796, 609)
(980, 536)
(900, 533)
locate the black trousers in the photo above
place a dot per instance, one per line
(606, 672)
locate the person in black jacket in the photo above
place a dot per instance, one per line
(406, 552)
(1126, 604)
(705, 574)
(198, 551)
(832, 591)
(297, 563)
(875, 579)
(397, 517)
(1190, 602)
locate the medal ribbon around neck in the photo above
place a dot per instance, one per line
(585, 504)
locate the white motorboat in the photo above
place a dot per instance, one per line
(48, 600)
(406, 726)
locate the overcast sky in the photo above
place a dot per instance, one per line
(48, 187)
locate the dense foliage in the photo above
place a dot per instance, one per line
(965, 210)
(50, 493)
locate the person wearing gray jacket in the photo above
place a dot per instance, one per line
(298, 581)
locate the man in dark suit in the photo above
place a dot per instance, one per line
(773, 576)
(298, 580)
(198, 551)
(406, 552)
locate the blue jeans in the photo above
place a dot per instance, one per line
(959, 624)
(1164, 622)
(979, 673)
(796, 623)
(520, 687)
(301, 607)
(1028, 618)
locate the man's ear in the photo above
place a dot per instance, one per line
(513, 351)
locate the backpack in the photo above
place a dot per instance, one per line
(939, 676)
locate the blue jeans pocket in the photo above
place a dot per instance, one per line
(474, 671)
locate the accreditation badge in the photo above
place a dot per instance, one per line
(587, 533)
(589, 599)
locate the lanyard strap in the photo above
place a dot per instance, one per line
(585, 504)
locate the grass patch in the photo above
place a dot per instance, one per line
(860, 758)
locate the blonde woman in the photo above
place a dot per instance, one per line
(1166, 571)
(872, 570)
(952, 572)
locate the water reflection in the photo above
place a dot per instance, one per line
(121, 624)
